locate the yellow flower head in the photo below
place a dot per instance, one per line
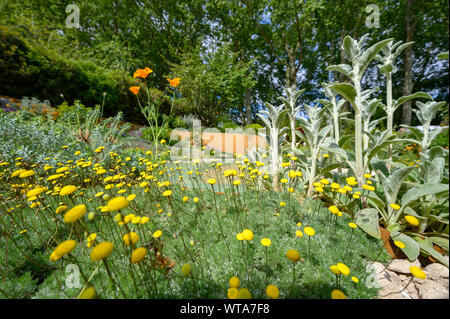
(412, 220)
(102, 251)
(234, 282)
(186, 269)
(61, 209)
(343, 269)
(88, 293)
(211, 181)
(75, 213)
(395, 206)
(272, 292)
(232, 293)
(309, 231)
(338, 294)
(335, 185)
(352, 225)
(67, 190)
(167, 193)
(299, 233)
(117, 203)
(399, 244)
(157, 234)
(244, 293)
(266, 242)
(417, 272)
(335, 270)
(130, 238)
(293, 255)
(62, 249)
(247, 234)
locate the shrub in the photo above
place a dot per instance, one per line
(26, 71)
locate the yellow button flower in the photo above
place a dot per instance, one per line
(247, 234)
(244, 293)
(309, 231)
(417, 272)
(338, 294)
(130, 238)
(412, 220)
(272, 292)
(186, 269)
(67, 190)
(293, 255)
(232, 293)
(343, 269)
(117, 203)
(266, 242)
(157, 234)
(62, 249)
(234, 282)
(75, 213)
(102, 251)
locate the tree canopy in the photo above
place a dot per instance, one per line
(235, 55)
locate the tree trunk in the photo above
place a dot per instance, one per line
(248, 106)
(292, 70)
(410, 25)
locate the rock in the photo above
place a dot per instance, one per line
(433, 290)
(436, 272)
(402, 265)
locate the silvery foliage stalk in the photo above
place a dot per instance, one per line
(314, 138)
(290, 102)
(273, 119)
(360, 60)
(390, 52)
(368, 110)
(425, 113)
(334, 108)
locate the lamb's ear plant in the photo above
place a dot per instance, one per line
(314, 138)
(273, 119)
(360, 60)
(424, 195)
(390, 53)
(334, 108)
(368, 110)
(290, 104)
(425, 113)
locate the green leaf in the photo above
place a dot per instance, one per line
(393, 182)
(442, 242)
(368, 55)
(327, 169)
(346, 90)
(443, 56)
(412, 248)
(367, 220)
(342, 68)
(439, 257)
(347, 45)
(406, 98)
(422, 190)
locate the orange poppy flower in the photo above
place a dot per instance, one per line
(135, 89)
(142, 73)
(174, 82)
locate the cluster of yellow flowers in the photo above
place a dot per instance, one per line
(119, 199)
